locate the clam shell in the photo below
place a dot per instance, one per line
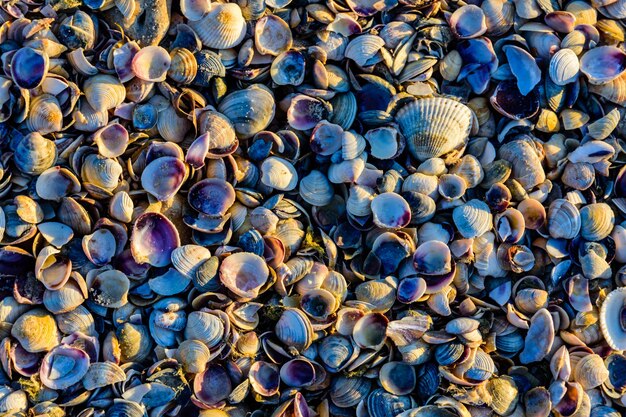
(293, 328)
(250, 110)
(435, 127)
(597, 221)
(612, 319)
(244, 274)
(36, 330)
(104, 92)
(540, 337)
(153, 239)
(45, 115)
(151, 63)
(279, 174)
(272, 35)
(315, 189)
(564, 67)
(590, 371)
(63, 367)
(102, 374)
(194, 355)
(472, 219)
(222, 27)
(603, 64)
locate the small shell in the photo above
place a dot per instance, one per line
(151, 63)
(279, 174)
(468, 22)
(102, 374)
(293, 328)
(36, 330)
(435, 127)
(315, 189)
(193, 355)
(613, 319)
(63, 367)
(390, 211)
(603, 64)
(603, 127)
(540, 337)
(244, 274)
(288, 68)
(153, 239)
(397, 378)
(472, 219)
(590, 371)
(272, 35)
(183, 67)
(29, 67)
(564, 220)
(564, 67)
(597, 221)
(222, 27)
(163, 177)
(250, 110)
(45, 115)
(104, 92)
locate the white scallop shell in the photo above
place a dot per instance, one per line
(223, 27)
(434, 127)
(610, 319)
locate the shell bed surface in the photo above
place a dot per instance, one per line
(298, 208)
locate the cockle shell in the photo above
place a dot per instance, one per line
(612, 319)
(222, 27)
(435, 127)
(564, 67)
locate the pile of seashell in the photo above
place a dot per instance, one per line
(285, 208)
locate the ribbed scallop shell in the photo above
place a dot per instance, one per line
(473, 218)
(612, 319)
(184, 67)
(597, 221)
(104, 92)
(563, 219)
(564, 67)
(45, 115)
(435, 127)
(222, 28)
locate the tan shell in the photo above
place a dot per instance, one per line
(193, 355)
(36, 330)
(524, 158)
(104, 92)
(602, 128)
(597, 221)
(590, 371)
(45, 115)
(222, 28)
(435, 127)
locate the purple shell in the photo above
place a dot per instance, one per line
(603, 64)
(211, 196)
(305, 112)
(153, 239)
(213, 385)
(163, 177)
(509, 101)
(29, 67)
(63, 367)
(411, 289)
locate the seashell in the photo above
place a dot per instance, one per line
(293, 328)
(590, 371)
(63, 367)
(612, 317)
(381, 294)
(222, 27)
(564, 219)
(298, 373)
(364, 49)
(250, 110)
(390, 211)
(171, 126)
(121, 207)
(523, 67)
(564, 67)
(104, 92)
(183, 66)
(36, 331)
(102, 374)
(504, 394)
(603, 64)
(213, 385)
(434, 127)
(450, 66)
(472, 219)
(523, 156)
(288, 68)
(108, 288)
(370, 331)
(337, 352)
(45, 115)
(508, 101)
(603, 127)
(540, 337)
(153, 239)
(272, 35)
(29, 67)
(305, 112)
(163, 177)
(315, 189)
(195, 10)
(264, 378)
(244, 274)
(279, 174)
(597, 221)
(87, 119)
(151, 63)
(397, 378)
(468, 22)
(348, 392)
